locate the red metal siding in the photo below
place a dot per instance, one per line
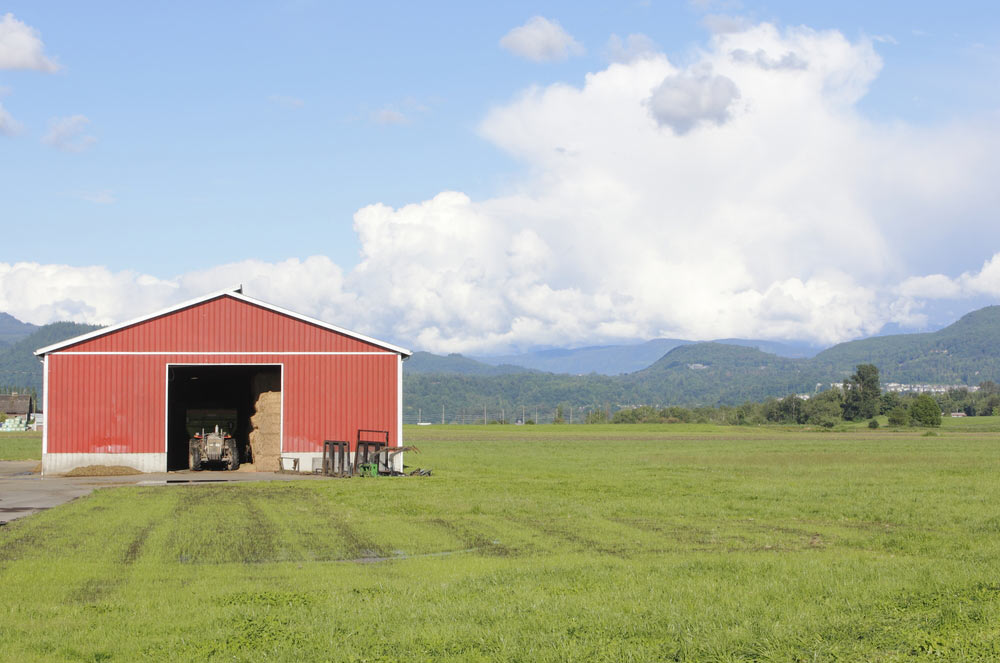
(116, 403)
(224, 325)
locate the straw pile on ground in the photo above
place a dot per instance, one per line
(102, 471)
(265, 435)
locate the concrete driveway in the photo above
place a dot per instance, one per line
(23, 492)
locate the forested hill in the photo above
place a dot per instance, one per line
(967, 352)
(425, 362)
(19, 367)
(717, 374)
(13, 330)
(629, 358)
(603, 359)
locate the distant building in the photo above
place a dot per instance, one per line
(17, 405)
(926, 388)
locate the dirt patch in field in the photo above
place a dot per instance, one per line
(102, 471)
(474, 540)
(135, 548)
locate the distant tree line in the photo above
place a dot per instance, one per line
(860, 398)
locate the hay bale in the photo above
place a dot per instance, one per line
(265, 436)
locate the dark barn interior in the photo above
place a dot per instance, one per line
(199, 395)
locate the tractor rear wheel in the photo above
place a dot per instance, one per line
(194, 456)
(234, 456)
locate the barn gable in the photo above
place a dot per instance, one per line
(228, 322)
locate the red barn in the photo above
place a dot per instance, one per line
(131, 394)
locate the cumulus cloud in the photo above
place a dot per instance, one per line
(681, 102)
(541, 40)
(8, 125)
(760, 58)
(21, 47)
(986, 281)
(69, 134)
(783, 213)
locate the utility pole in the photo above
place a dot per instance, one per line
(484, 415)
(442, 415)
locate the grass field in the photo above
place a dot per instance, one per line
(21, 446)
(544, 543)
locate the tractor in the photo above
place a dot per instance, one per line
(216, 447)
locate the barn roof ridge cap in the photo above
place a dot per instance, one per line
(235, 293)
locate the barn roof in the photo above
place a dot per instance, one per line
(235, 293)
(16, 404)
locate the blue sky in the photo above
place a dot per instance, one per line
(151, 152)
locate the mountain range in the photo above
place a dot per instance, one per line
(618, 359)
(965, 353)
(12, 329)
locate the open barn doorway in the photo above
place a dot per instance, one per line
(244, 400)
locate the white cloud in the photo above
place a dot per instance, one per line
(21, 47)
(8, 125)
(986, 281)
(760, 58)
(68, 134)
(681, 102)
(796, 217)
(541, 40)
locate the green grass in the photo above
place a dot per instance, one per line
(21, 446)
(538, 543)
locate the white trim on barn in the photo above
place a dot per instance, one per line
(45, 405)
(398, 461)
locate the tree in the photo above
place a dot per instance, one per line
(925, 411)
(560, 419)
(890, 401)
(824, 408)
(862, 393)
(899, 416)
(989, 387)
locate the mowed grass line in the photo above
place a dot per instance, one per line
(25, 445)
(544, 543)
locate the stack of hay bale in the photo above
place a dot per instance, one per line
(265, 436)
